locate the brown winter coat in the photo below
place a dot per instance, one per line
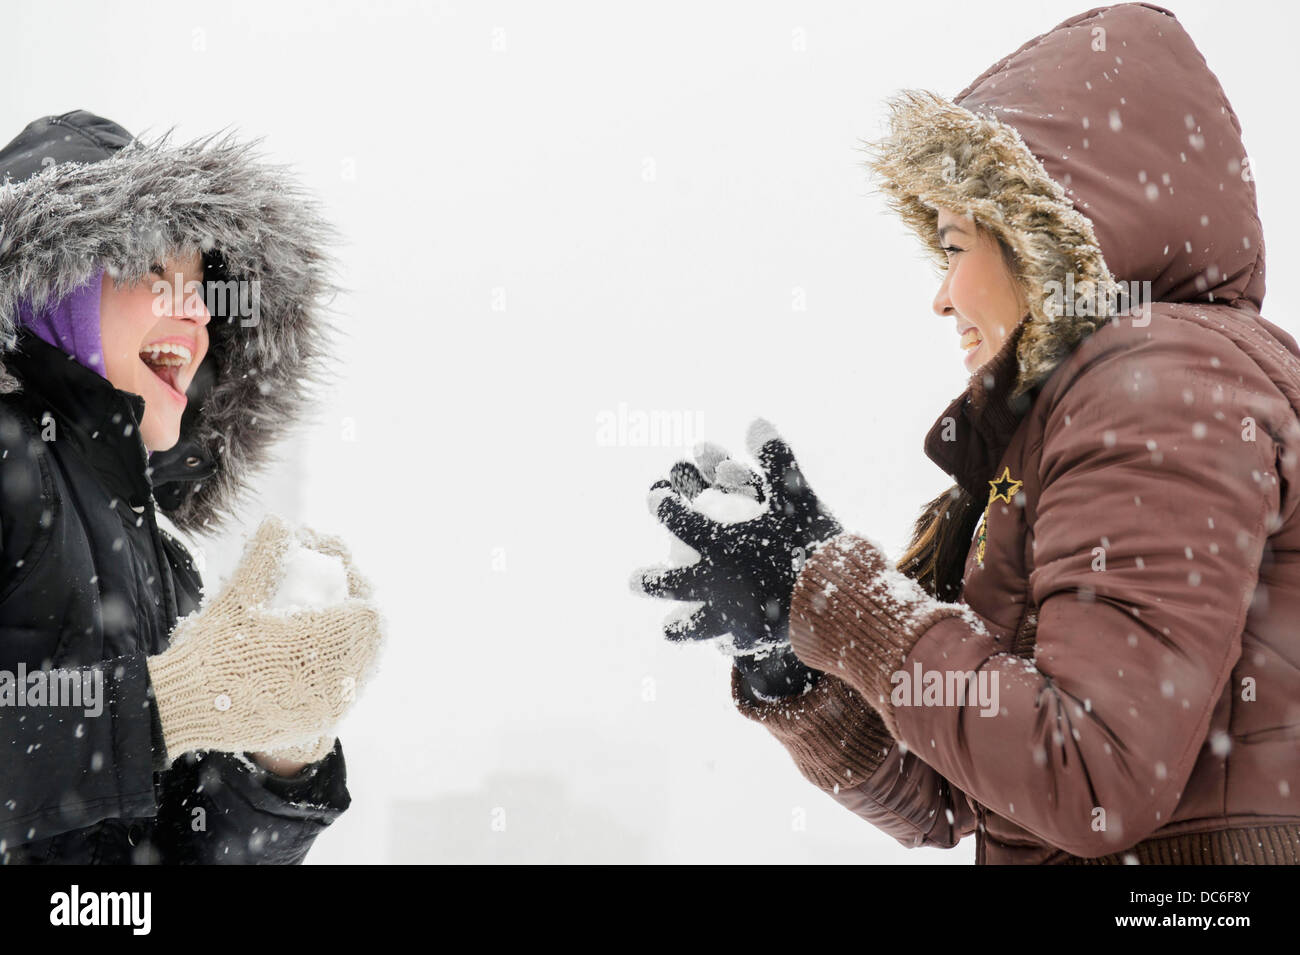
(1135, 583)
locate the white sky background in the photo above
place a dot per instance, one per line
(455, 170)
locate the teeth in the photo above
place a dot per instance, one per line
(166, 353)
(970, 339)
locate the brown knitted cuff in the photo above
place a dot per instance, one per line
(833, 736)
(855, 615)
(1254, 845)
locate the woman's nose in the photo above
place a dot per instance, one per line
(943, 306)
(196, 310)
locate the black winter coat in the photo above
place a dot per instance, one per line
(88, 580)
(90, 585)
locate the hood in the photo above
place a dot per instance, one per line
(1104, 151)
(79, 193)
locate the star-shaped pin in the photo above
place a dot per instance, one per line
(1004, 488)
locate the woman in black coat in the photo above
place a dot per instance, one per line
(121, 432)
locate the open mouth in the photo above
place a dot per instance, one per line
(971, 339)
(166, 360)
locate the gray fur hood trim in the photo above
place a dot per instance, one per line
(151, 200)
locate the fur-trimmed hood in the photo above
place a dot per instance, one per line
(1104, 151)
(80, 193)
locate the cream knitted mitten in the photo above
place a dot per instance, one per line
(239, 677)
(358, 586)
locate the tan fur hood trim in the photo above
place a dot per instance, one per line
(938, 154)
(1108, 134)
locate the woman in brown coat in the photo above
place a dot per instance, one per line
(1089, 651)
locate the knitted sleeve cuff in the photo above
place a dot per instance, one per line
(834, 737)
(853, 614)
(185, 713)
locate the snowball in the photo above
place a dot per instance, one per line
(726, 507)
(311, 580)
(722, 506)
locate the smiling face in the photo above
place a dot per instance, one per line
(155, 336)
(979, 291)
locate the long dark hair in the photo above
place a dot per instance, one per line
(941, 538)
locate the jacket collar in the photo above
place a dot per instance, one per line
(100, 421)
(972, 433)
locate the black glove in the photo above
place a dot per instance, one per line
(746, 572)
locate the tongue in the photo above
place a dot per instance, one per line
(167, 373)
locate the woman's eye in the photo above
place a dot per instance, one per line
(950, 249)
(157, 270)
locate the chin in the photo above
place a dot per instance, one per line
(154, 441)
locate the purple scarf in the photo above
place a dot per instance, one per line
(72, 323)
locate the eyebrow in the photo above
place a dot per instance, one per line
(952, 228)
